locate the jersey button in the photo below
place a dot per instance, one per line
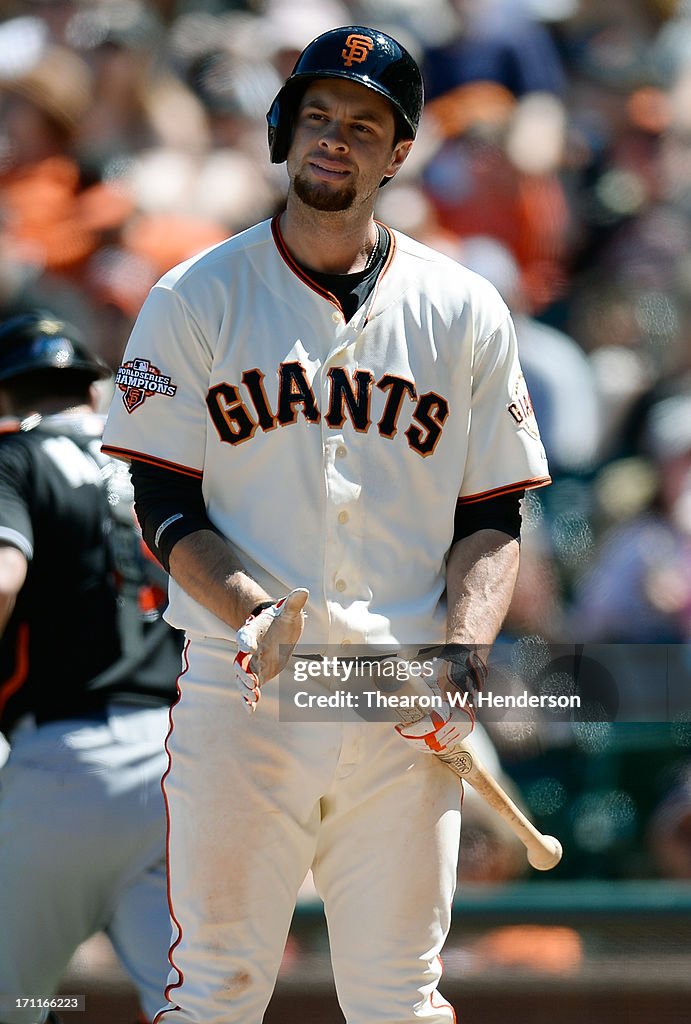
(341, 451)
(343, 517)
(340, 585)
(336, 317)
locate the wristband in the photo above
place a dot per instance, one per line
(465, 664)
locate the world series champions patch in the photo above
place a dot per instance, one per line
(139, 380)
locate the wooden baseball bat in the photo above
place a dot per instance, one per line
(544, 852)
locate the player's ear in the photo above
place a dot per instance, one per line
(398, 157)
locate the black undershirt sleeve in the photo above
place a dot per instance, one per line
(502, 513)
(169, 506)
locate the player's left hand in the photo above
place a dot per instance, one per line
(266, 641)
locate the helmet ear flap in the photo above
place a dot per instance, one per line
(279, 129)
(281, 119)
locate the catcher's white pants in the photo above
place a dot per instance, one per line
(82, 849)
(253, 803)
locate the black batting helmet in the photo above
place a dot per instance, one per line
(38, 341)
(357, 54)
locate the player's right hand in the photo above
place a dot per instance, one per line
(265, 643)
(440, 730)
(464, 670)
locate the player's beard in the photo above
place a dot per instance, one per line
(323, 197)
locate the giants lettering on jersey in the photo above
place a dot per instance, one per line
(238, 412)
(521, 408)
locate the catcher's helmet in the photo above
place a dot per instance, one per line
(32, 342)
(357, 54)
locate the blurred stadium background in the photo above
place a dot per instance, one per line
(555, 159)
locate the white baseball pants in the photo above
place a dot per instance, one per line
(253, 803)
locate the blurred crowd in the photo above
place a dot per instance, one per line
(554, 158)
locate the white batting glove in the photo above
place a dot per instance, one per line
(441, 729)
(266, 641)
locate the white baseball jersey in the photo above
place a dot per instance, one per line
(417, 402)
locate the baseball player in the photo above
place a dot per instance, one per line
(87, 675)
(329, 433)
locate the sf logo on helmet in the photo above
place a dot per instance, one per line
(357, 49)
